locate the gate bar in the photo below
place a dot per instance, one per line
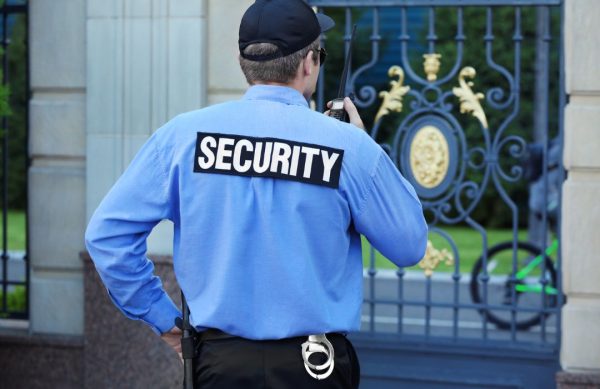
(5, 135)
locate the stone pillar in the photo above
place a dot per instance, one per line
(225, 78)
(145, 64)
(57, 173)
(580, 350)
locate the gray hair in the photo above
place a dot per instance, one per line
(281, 70)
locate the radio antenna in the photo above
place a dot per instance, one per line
(342, 90)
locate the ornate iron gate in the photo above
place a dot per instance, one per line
(478, 132)
(14, 95)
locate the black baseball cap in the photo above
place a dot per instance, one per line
(291, 25)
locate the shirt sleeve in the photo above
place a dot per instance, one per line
(391, 215)
(116, 240)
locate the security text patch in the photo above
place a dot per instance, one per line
(268, 157)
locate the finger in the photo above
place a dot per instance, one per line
(350, 107)
(329, 103)
(353, 113)
(326, 113)
(173, 331)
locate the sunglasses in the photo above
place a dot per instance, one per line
(322, 56)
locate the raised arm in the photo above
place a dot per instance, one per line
(391, 216)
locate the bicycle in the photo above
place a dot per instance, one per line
(512, 286)
(526, 285)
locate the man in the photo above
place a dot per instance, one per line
(268, 201)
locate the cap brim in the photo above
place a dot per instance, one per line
(325, 22)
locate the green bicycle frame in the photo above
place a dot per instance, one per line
(521, 274)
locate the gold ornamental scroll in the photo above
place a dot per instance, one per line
(433, 257)
(469, 100)
(392, 100)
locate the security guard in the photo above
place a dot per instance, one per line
(268, 201)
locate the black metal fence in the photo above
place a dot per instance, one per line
(473, 119)
(467, 98)
(14, 94)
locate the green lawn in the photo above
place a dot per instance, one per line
(16, 230)
(16, 300)
(468, 241)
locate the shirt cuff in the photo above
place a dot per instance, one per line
(162, 314)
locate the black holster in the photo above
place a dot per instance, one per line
(189, 339)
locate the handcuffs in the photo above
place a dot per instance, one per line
(318, 344)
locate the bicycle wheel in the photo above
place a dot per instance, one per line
(501, 290)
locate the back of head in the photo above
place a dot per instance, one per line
(274, 37)
(279, 70)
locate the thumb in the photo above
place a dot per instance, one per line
(353, 113)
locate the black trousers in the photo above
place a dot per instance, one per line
(233, 362)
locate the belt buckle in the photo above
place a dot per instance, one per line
(318, 344)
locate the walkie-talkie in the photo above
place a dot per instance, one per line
(337, 105)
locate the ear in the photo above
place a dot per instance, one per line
(308, 63)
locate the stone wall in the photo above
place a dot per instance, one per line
(124, 353)
(57, 173)
(580, 349)
(225, 79)
(145, 64)
(41, 361)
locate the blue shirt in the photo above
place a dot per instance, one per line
(262, 257)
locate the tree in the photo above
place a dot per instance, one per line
(13, 109)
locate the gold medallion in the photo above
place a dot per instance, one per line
(429, 156)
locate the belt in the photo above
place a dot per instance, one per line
(316, 344)
(214, 334)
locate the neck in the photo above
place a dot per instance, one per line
(294, 84)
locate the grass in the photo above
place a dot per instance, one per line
(468, 242)
(15, 301)
(16, 230)
(16, 238)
